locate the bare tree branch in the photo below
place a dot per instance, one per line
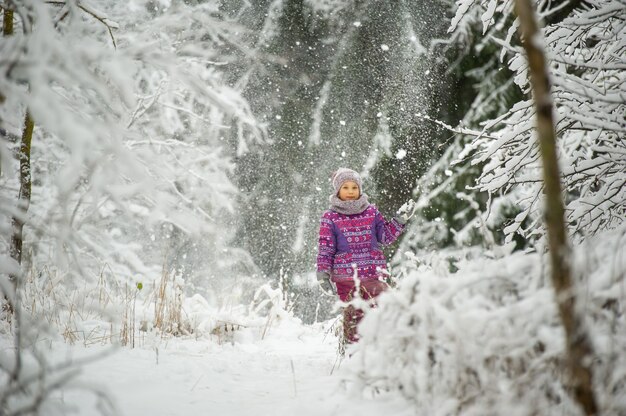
(110, 25)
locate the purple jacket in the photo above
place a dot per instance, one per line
(347, 240)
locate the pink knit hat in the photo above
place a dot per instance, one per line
(343, 175)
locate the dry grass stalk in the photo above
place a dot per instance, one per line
(168, 317)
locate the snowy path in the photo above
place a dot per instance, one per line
(200, 377)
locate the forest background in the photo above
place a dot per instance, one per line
(185, 147)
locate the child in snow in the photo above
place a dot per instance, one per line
(351, 234)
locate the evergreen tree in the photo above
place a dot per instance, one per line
(496, 157)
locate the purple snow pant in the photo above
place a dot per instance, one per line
(369, 289)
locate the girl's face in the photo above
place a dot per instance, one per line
(349, 191)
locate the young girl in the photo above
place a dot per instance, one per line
(351, 234)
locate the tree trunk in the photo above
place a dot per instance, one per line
(578, 345)
(7, 22)
(23, 199)
(7, 29)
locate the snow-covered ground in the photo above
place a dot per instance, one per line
(294, 370)
(483, 339)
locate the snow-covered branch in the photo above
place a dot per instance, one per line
(587, 48)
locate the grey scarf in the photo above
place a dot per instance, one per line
(349, 207)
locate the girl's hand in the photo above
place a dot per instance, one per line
(323, 279)
(406, 211)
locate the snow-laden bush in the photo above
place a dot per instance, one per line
(488, 337)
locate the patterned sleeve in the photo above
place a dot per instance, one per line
(387, 231)
(327, 246)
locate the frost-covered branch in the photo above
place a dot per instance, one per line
(114, 181)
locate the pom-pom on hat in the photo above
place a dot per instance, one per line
(343, 175)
